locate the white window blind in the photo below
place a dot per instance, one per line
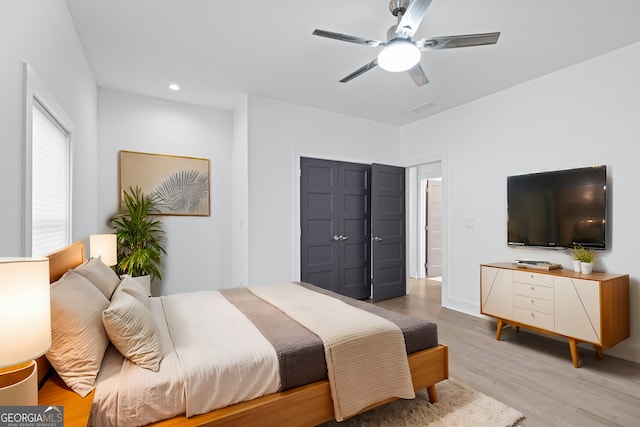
(50, 193)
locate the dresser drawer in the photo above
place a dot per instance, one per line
(533, 318)
(533, 278)
(533, 304)
(534, 291)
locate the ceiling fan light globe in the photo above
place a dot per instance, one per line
(398, 56)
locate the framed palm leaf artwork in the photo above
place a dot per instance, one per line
(179, 184)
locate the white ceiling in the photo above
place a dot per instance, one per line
(217, 51)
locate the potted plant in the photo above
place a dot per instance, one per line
(138, 236)
(586, 257)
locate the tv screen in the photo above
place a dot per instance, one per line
(558, 209)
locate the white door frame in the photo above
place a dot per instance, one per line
(444, 169)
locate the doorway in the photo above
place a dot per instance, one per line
(427, 223)
(431, 239)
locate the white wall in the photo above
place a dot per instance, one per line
(279, 134)
(42, 34)
(240, 196)
(198, 248)
(580, 116)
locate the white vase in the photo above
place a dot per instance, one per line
(586, 267)
(576, 266)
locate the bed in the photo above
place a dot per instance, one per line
(303, 399)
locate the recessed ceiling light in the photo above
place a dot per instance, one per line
(174, 86)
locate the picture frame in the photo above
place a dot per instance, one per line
(180, 184)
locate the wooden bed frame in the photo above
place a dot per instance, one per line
(307, 405)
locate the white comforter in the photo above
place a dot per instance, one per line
(213, 358)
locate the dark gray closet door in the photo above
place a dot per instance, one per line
(355, 228)
(388, 231)
(335, 223)
(319, 224)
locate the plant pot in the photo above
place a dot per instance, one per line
(576, 266)
(586, 267)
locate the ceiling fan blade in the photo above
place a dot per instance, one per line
(458, 41)
(417, 74)
(360, 70)
(348, 38)
(412, 18)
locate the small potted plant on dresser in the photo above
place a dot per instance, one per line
(586, 257)
(139, 236)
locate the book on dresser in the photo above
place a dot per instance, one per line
(590, 308)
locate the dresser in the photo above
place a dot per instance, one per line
(590, 308)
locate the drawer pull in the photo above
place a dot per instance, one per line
(533, 302)
(533, 314)
(533, 289)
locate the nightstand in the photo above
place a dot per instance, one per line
(55, 392)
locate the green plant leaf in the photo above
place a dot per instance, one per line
(139, 249)
(583, 254)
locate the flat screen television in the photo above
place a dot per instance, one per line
(558, 209)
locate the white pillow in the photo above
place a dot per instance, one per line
(100, 274)
(132, 330)
(144, 281)
(78, 337)
(134, 288)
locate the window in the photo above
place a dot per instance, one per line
(47, 171)
(50, 210)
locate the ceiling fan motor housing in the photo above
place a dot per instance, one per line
(392, 35)
(398, 6)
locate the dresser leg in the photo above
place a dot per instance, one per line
(598, 351)
(499, 329)
(573, 346)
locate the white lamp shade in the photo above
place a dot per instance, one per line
(25, 311)
(104, 246)
(399, 55)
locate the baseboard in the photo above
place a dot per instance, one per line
(625, 350)
(463, 306)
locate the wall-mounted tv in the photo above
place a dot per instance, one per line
(558, 209)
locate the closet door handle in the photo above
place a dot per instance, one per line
(377, 239)
(344, 237)
(336, 238)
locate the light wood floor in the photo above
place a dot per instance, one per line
(529, 372)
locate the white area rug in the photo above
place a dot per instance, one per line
(458, 406)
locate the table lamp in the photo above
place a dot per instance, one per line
(104, 245)
(25, 327)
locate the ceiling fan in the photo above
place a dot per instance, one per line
(401, 52)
